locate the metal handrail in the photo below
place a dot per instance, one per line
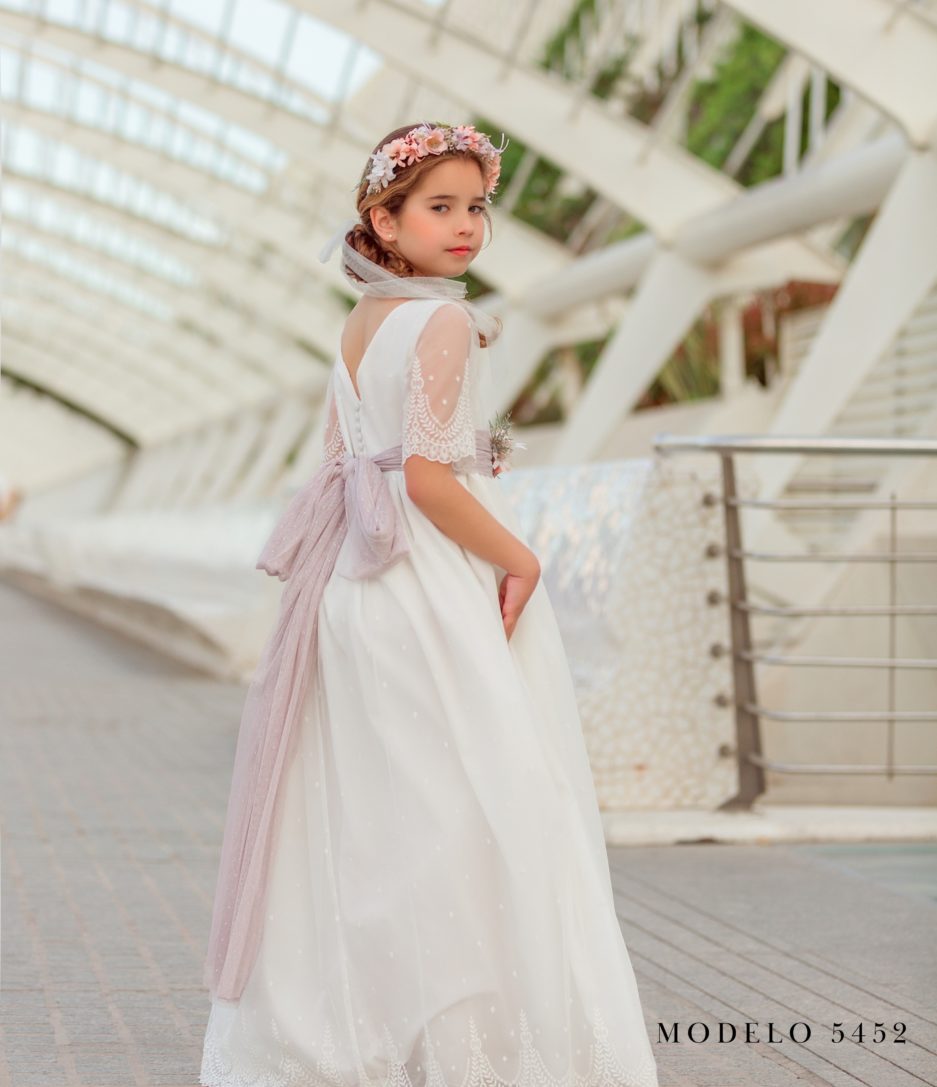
(842, 504)
(791, 443)
(840, 715)
(871, 768)
(832, 556)
(909, 663)
(749, 713)
(866, 611)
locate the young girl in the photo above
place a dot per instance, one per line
(414, 888)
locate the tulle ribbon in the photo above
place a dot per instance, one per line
(345, 499)
(379, 282)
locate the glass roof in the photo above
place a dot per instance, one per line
(177, 163)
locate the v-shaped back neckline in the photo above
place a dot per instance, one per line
(343, 365)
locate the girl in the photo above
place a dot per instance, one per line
(414, 888)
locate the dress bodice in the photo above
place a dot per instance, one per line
(423, 382)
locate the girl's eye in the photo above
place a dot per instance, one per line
(437, 206)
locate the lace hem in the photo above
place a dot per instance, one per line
(450, 439)
(334, 445)
(461, 462)
(604, 1067)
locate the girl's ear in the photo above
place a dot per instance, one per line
(383, 223)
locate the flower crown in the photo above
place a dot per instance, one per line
(426, 140)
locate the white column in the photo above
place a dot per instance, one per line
(731, 348)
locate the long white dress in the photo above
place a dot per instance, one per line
(440, 909)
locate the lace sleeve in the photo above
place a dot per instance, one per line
(438, 418)
(333, 444)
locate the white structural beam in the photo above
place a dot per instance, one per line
(70, 335)
(107, 393)
(731, 349)
(521, 253)
(288, 226)
(224, 271)
(172, 470)
(224, 278)
(284, 431)
(210, 449)
(658, 34)
(669, 122)
(331, 154)
(659, 185)
(881, 49)
(666, 173)
(241, 212)
(159, 342)
(236, 332)
(233, 466)
(671, 294)
(298, 135)
(888, 280)
(851, 184)
(635, 351)
(712, 256)
(123, 409)
(217, 200)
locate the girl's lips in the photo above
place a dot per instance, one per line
(461, 249)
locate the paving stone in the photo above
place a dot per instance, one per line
(114, 771)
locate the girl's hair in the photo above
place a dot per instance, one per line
(362, 235)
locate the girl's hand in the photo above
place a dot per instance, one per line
(514, 592)
(497, 471)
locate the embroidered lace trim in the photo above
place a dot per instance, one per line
(285, 1070)
(451, 440)
(333, 444)
(438, 421)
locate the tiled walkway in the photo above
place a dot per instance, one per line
(114, 770)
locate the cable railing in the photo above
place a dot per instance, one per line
(751, 716)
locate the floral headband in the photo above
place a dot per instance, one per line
(426, 140)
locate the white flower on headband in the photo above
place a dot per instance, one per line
(433, 140)
(381, 173)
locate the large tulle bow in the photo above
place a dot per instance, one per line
(346, 500)
(375, 537)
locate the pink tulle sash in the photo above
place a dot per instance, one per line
(348, 497)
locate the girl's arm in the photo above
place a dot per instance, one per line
(436, 492)
(439, 435)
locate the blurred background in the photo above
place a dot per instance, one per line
(715, 235)
(714, 251)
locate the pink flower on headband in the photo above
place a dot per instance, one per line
(466, 138)
(396, 150)
(435, 142)
(492, 173)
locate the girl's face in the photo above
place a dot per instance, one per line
(441, 226)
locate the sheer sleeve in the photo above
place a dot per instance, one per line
(438, 420)
(333, 444)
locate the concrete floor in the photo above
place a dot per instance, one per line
(114, 770)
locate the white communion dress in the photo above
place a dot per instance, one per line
(439, 910)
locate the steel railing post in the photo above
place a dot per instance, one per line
(747, 737)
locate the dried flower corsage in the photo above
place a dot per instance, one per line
(502, 443)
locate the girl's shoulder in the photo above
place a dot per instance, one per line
(415, 319)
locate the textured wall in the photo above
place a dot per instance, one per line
(622, 544)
